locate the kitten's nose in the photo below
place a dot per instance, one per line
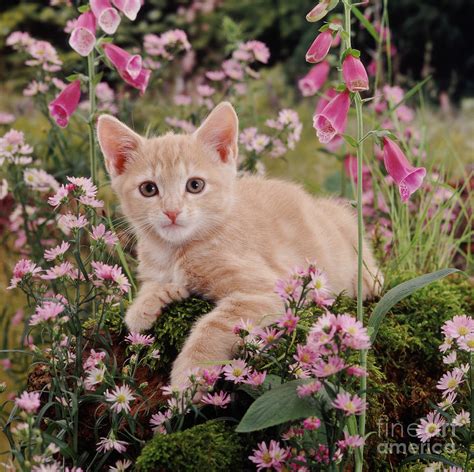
(172, 215)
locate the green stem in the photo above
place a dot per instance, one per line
(92, 111)
(359, 459)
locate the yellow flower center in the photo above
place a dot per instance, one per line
(452, 383)
(462, 331)
(431, 428)
(349, 406)
(121, 398)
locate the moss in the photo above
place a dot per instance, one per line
(209, 447)
(172, 327)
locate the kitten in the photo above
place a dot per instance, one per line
(201, 229)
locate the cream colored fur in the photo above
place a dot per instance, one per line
(235, 239)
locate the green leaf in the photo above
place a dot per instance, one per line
(353, 52)
(350, 140)
(393, 296)
(411, 92)
(73, 77)
(84, 8)
(367, 24)
(98, 78)
(430, 457)
(277, 406)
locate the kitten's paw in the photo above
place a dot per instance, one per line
(141, 315)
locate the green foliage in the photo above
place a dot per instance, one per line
(209, 447)
(413, 326)
(398, 293)
(276, 406)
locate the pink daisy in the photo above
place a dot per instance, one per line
(307, 389)
(109, 444)
(311, 423)
(60, 197)
(22, 269)
(28, 401)
(255, 378)
(221, 399)
(266, 457)
(158, 419)
(288, 321)
(235, 371)
(333, 365)
(430, 427)
(137, 339)
(120, 398)
(355, 335)
(350, 441)
(459, 326)
(352, 405)
(99, 233)
(108, 273)
(450, 381)
(93, 360)
(64, 269)
(45, 312)
(59, 250)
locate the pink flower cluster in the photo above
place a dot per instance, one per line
(42, 53)
(237, 68)
(14, 149)
(80, 189)
(166, 45)
(458, 344)
(305, 285)
(287, 128)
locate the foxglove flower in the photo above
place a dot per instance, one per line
(332, 119)
(129, 67)
(407, 177)
(82, 38)
(65, 104)
(355, 75)
(318, 12)
(107, 16)
(129, 8)
(126, 64)
(320, 47)
(314, 79)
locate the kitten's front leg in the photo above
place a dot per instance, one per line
(212, 338)
(150, 301)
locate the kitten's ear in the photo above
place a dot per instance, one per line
(220, 131)
(117, 142)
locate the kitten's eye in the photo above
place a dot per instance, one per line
(195, 185)
(148, 189)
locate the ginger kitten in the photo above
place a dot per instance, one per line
(201, 229)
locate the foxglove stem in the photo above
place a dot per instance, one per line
(92, 111)
(359, 457)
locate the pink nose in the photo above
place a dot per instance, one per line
(172, 215)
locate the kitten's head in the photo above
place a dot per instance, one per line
(178, 187)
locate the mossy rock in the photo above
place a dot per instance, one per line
(209, 447)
